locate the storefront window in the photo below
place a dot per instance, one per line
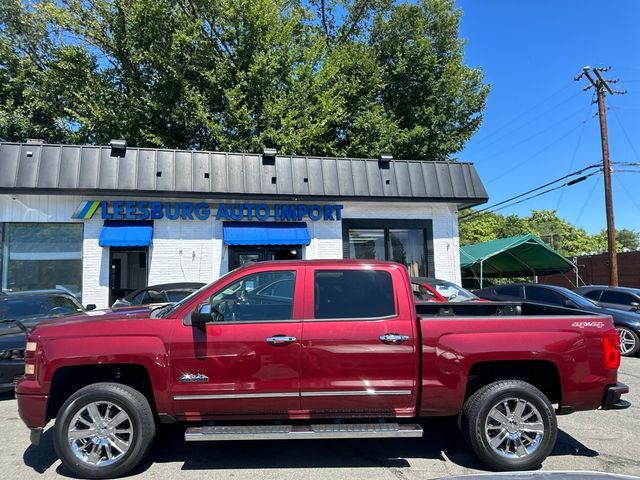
(407, 246)
(402, 241)
(39, 256)
(365, 243)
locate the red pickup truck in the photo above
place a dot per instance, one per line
(315, 349)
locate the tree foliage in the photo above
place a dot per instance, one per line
(316, 77)
(567, 239)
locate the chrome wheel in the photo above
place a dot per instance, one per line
(100, 434)
(514, 428)
(628, 341)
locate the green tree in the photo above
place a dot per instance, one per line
(567, 239)
(316, 77)
(626, 240)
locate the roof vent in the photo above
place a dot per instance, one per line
(269, 156)
(383, 161)
(118, 144)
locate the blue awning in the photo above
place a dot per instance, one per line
(124, 233)
(265, 233)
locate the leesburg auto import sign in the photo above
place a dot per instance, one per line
(153, 210)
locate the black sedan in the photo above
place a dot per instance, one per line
(165, 293)
(30, 308)
(627, 323)
(622, 298)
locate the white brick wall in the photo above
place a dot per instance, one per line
(193, 250)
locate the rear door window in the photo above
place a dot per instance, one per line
(353, 294)
(592, 294)
(620, 298)
(541, 294)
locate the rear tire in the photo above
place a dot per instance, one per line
(629, 341)
(104, 430)
(510, 425)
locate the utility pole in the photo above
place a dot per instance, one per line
(601, 87)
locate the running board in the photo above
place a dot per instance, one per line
(286, 432)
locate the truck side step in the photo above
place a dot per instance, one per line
(286, 432)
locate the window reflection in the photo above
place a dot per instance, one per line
(406, 246)
(42, 256)
(366, 243)
(402, 245)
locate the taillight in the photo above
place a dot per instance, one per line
(611, 349)
(29, 357)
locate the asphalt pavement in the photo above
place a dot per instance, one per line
(595, 441)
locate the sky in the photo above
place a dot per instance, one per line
(538, 123)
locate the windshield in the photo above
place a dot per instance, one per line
(167, 310)
(452, 292)
(37, 306)
(578, 299)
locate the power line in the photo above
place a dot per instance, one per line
(516, 126)
(542, 150)
(522, 114)
(626, 190)
(567, 184)
(575, 150)
(571, 182)
(585, 203)
(626, 135)
(530, 137)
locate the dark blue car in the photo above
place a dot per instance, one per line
(627, 323)
(31, 308)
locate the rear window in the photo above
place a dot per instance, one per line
(353, 294)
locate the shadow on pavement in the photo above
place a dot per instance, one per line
(41, 458)
(441, 437)
(567, 445)
(442, 441)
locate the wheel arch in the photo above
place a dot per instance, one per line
(68, 380)
(542, 374)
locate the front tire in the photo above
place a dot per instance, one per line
(104, 430)
(629, 341)
(510, 425)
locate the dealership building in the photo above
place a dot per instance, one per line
(101, 221)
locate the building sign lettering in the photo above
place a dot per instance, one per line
(154, 210)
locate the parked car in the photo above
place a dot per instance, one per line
(627, 323)
(30, 308)
(427, 289)
(348, 341)
(165, 293)
(623, 298)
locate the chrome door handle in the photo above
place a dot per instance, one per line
(280, 340)
(393, 338)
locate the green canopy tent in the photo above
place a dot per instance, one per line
(520, 256)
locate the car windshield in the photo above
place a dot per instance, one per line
(578, 299)
(452, 292)
(37, 306)
(167, 310)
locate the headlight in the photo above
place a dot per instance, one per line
(14, 354)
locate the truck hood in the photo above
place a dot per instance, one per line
(96, 317)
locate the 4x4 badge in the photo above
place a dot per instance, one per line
(193, 377)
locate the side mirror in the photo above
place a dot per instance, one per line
(201, 315)
(635, 305)
(89, 307)
(570, 304)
